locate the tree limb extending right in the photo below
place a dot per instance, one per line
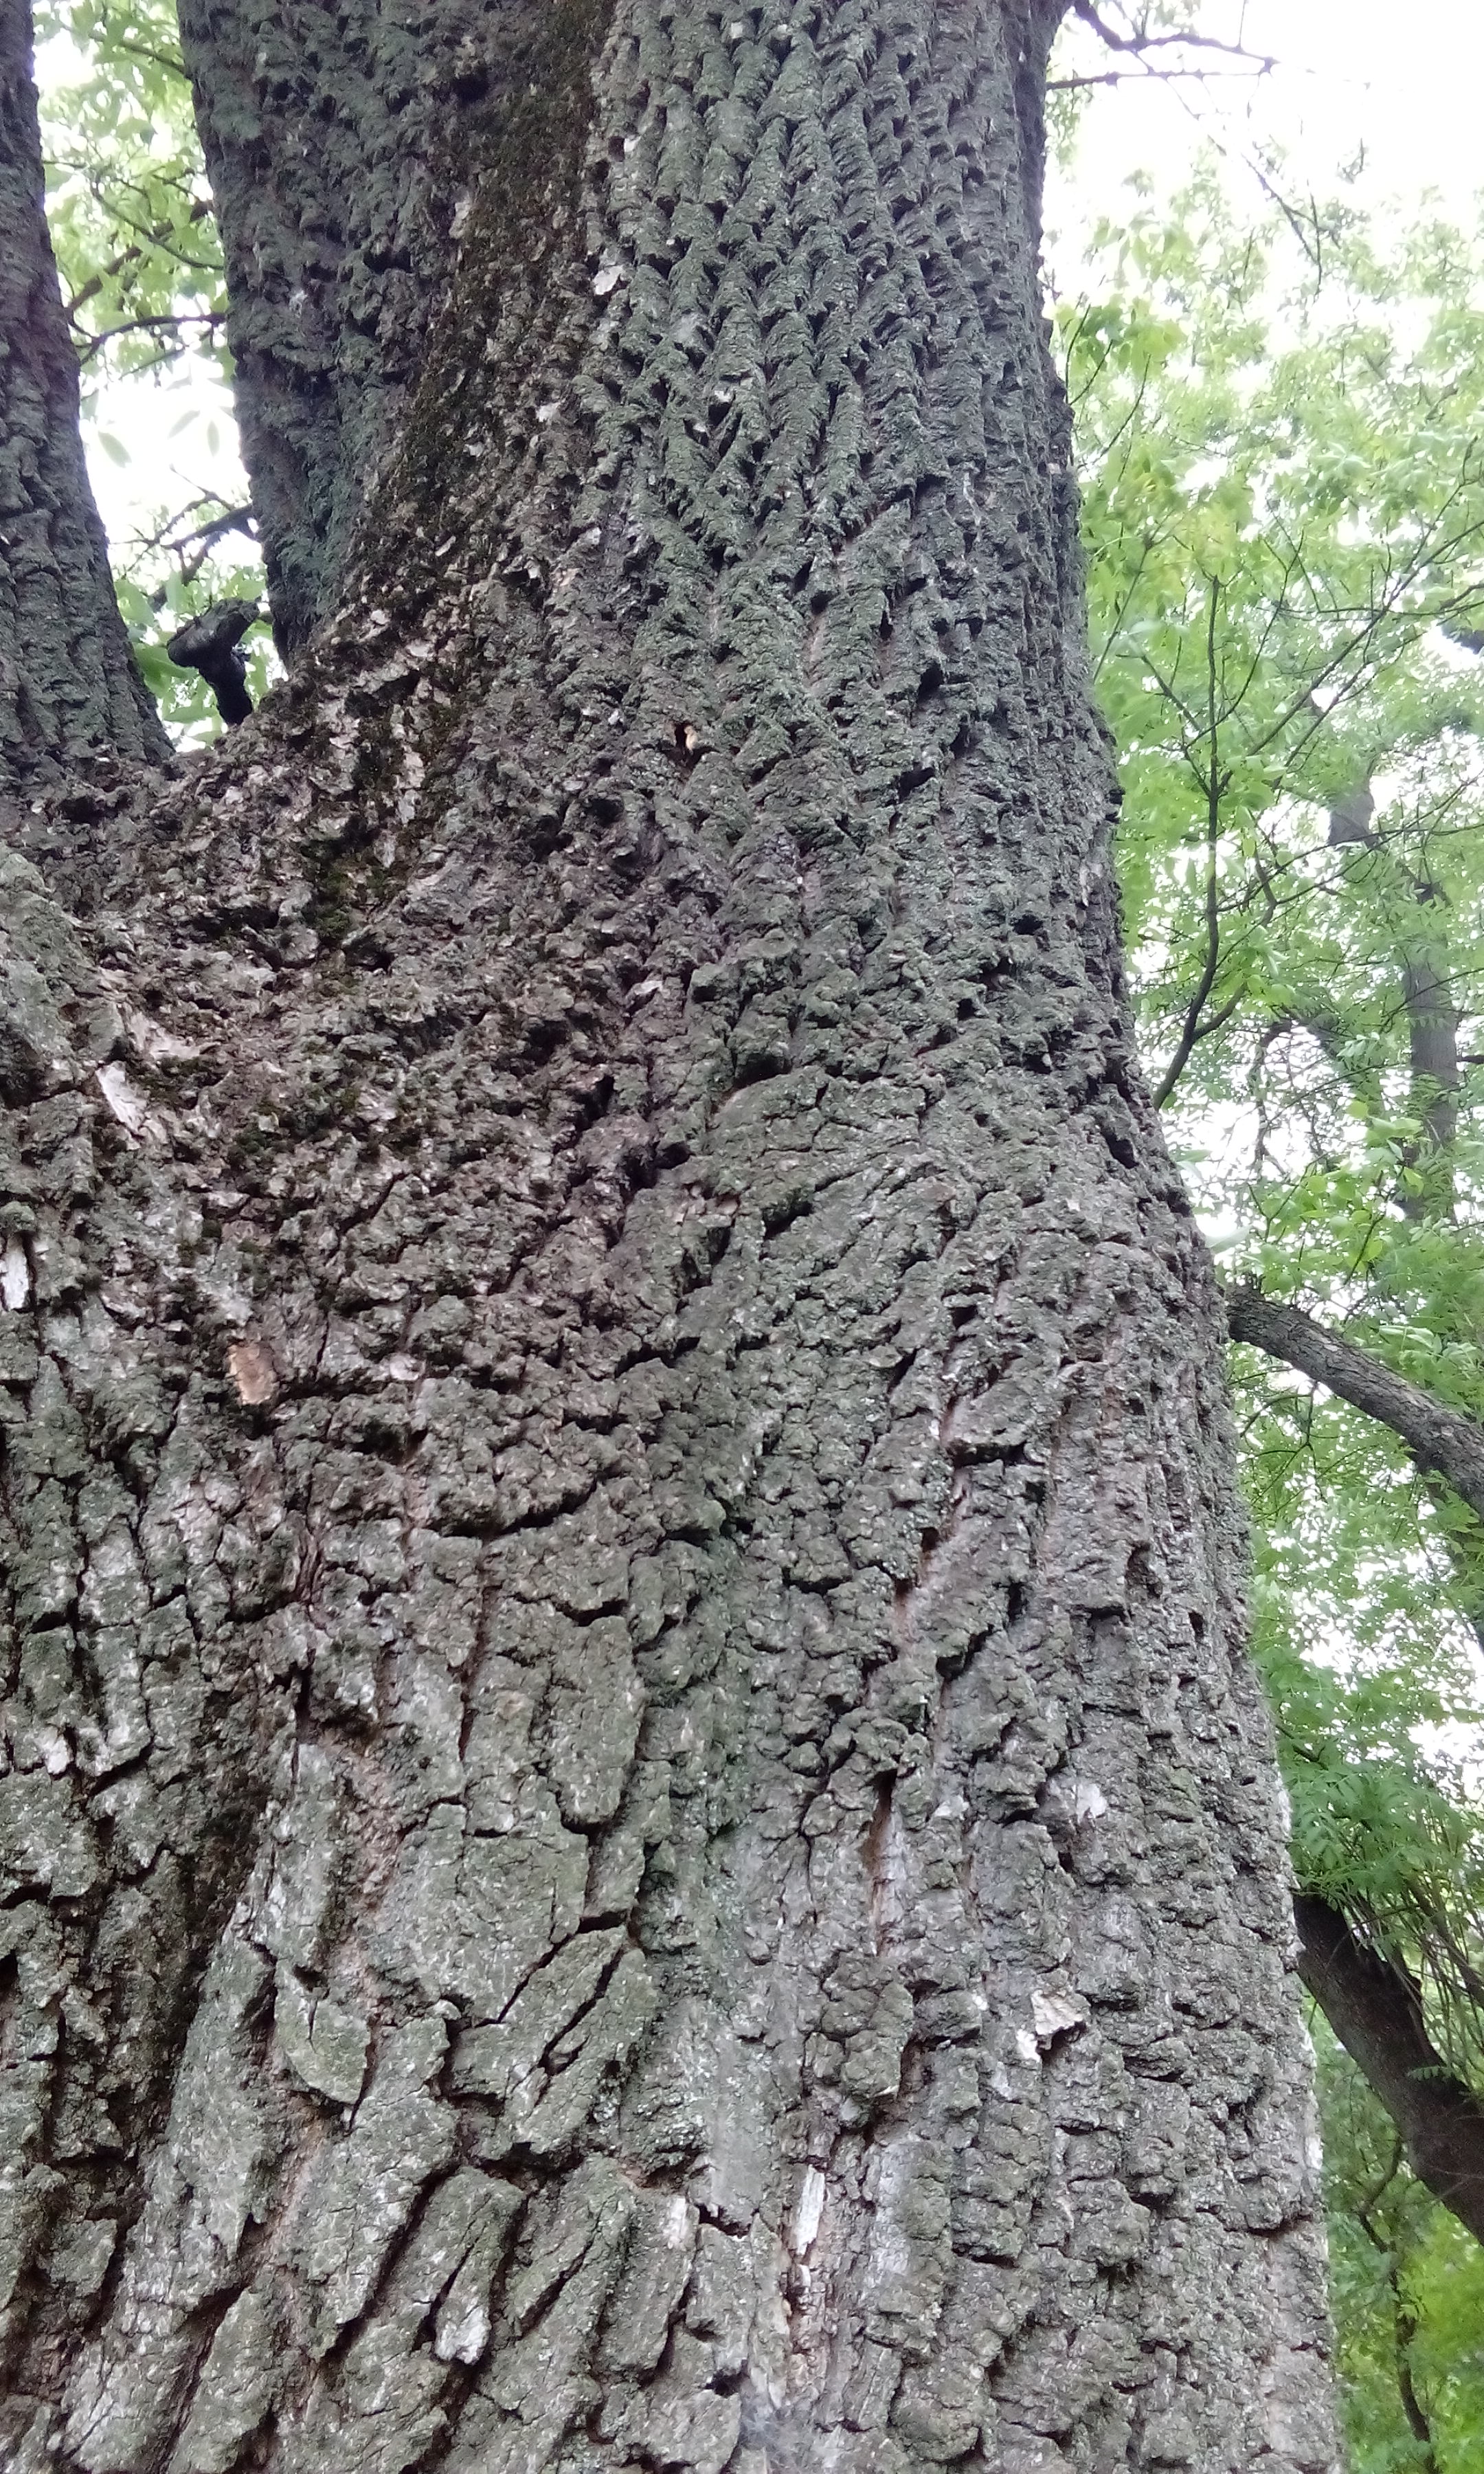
(1440, 1439)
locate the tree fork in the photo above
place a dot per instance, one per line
(639, 1829)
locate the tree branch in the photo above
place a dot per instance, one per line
(171, 324)
(1376, 2011)
(158, 236)
(1215, 784)
(1140, 42)
(1403, 2315)
(1439, 1439)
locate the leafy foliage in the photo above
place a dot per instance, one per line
(128, 201)
(1284, 503)
(1408, 2288)
(1284, 513)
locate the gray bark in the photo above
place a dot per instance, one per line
(639, 1831)
(343, 146)
(1432, 1013)
(69, 692)
(1432, 1039)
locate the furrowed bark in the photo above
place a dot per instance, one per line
(1440, 1439)
(69, 690)
(341, 145)
(1376, 2013)
(610, 1344)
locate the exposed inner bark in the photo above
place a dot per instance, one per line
(69, 690)
(610, 1341)
(1377, 2012)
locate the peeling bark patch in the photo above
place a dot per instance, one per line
(253, 1372)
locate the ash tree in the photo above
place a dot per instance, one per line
(637, 1830)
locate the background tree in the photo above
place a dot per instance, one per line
(638, 1830)
(1408, 2284)
(1284, 509)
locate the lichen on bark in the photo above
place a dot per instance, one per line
(608, 1342)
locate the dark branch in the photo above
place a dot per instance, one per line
(1142, 43)
(1439, 1439)
(1146, 70)
(158, 236)
(166, 324)
(233, 520)
(191, 550)
(1376, 2011)
(211, 645)
(1404, 2315)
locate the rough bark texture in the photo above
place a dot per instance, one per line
(342, 144)
(69, 690)
(1377, 2012)
(638, 1832)
(1441, 1439)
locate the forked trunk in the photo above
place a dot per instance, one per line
(640, 1832)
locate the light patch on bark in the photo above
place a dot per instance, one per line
(125, 1104)
(14, 1275)
(253, 1372)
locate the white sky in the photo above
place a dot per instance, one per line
(1404, 80)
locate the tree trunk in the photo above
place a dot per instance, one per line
(639, 1832)
(69, 692)
(344, 150)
